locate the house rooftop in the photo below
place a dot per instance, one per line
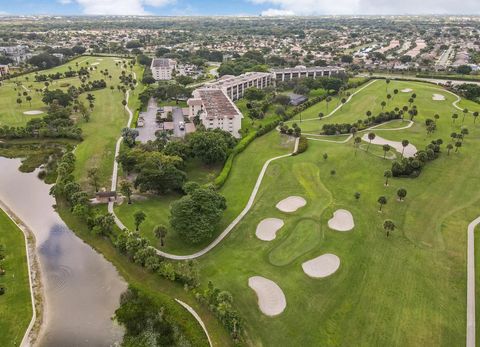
(217, 104)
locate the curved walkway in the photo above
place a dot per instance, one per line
(338, 107)
(197, 317)
(471, 282)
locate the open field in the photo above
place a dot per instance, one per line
(15, 304)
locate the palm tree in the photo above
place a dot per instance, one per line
(139, 217)
(160, 231)
(458, 144)
(387, 174)
(465, 111)
(449, 148)
(356, 195)
(475, 115)
(356, 143)
(383, 104)
(395, 92)
(369, 114)
(126, 189)
(386, 148)
(464, 132)
(401, 193)
(93, 176)
(327, 100)
(387, 82)
(388, 226)
(382, 201)
(437, 117)
(321, 115)
(405, 143)
(371, 137)
(389, 97)
(454, 117)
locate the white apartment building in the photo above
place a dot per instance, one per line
(215, 110)
(235, 86)
(306, 72)
(162, 68)
(3, 70)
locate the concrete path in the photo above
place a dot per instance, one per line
(197, 317)
(113, 187)
(471, 282)
(337, 108)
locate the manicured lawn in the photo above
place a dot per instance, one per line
(405, 290)
(15, 304)
(107, 119)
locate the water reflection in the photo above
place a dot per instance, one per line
(82, 289)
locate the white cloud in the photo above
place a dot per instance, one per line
(274, 12)
(65, 2)
(118, 7)
(3, 13)
(339, 7)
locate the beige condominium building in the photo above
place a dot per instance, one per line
(162, 68)
(235, 86)
(306, 72)
(215, 110)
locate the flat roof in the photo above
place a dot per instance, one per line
(161, 62)
(217, 104)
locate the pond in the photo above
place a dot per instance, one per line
(82, 289)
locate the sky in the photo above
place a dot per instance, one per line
(237, 7)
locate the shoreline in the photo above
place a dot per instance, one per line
(34, 276)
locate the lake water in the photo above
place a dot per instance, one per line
(82, 289)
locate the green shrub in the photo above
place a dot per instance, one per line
(302, 144)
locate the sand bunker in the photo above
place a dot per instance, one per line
(271, 299)
(33, 112)
(94, 63)
(267, 228)
(438, 97)
(342, 220)
(407, 90)
(321, 266)
(410, 150)
(291, 204)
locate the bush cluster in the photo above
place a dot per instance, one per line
(412, 167)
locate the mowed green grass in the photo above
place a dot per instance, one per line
(15, 304)
(370, 99)
(405, 290)
(246, 168)
(107, 119)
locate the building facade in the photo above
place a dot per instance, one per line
(3, 70)
(235, 86)
(281, 75)
(162, 68)
(215, 110)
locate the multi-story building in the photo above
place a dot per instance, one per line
(235, 86)
(215, 110)
(287, 74)
(3, 70)
(162, 68)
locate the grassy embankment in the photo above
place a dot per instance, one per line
(15, 304)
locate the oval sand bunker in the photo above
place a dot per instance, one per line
(271, 299)
(321, 266)
(342, 221)
(291, 204)
(438, 97)
(267, 228)
(32, 113)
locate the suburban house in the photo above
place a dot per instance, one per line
(215, 110)
(162, 68)
(235, 86)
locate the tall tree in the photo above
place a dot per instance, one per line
(388, 226)
(405, 143)
(93, 177)
(382, 200)
(387, 174)
(371, 137)
(401, 193)
(386, 148)
(139, 217)
(126, 189)
(160, 232)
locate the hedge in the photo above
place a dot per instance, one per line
(244, 142)
(302, 145)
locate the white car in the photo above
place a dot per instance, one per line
(181, 126)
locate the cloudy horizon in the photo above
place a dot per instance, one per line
(240, 7)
